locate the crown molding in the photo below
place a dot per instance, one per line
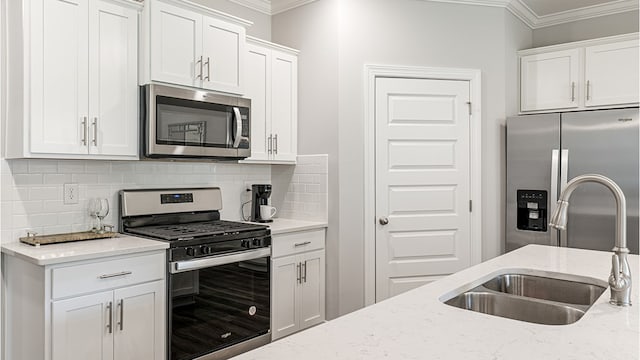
(263, 6)
(614, 7)
(516, 7)
(285, 5)
(531, 19)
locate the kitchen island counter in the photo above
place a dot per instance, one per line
(417, 325)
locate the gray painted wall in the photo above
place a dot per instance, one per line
(313, 29)
(261, 27)
(398, 32)
(616, 24)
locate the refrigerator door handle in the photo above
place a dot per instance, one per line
(564, 172)
(553, 199)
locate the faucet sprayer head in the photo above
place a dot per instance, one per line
(560, 216)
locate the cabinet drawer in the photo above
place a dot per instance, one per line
(101, 275)
(297, 242)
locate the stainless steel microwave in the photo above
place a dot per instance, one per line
(186, 124)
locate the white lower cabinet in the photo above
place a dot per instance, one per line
(111, 309)
(298, 290)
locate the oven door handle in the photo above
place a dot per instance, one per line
(189, 265)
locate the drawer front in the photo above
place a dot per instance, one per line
(297, 242)
(109, 274)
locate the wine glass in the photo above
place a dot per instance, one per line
(94, 209)
(102, 213)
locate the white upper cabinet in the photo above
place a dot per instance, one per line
(194, 46)
(611, 73)
(77, 64)
(550, 80)
(598, 73)
(272, 86)
(176, 44)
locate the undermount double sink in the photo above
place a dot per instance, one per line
(549, 298)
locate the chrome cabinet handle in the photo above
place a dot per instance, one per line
(208, 63)
(270, 145)
(302, 243)
(588, 88)
(304, 277)
(109, 323)
(108, 276)
(573, 91)
(95, 131)
(298, 273)
(121, 305)
(383, 220)
(84, 130)
(275, 144)
(199, 76)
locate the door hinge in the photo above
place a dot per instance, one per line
(470, 205)
(469, 103)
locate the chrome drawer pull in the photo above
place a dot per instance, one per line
(107, 276)
(302, 243)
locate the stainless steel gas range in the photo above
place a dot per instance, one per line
(218, 271)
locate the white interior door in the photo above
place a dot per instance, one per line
(422, 182)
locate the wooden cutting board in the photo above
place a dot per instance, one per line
(37, 240)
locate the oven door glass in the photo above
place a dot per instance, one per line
(219, 306)
(193, 123)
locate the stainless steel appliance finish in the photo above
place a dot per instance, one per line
(219, 272)
(544, 151)
(536, 299)
(180, 123)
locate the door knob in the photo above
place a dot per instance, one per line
(383, 220)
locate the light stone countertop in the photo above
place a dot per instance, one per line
(417, 325)
(282, 226)
(82, 250)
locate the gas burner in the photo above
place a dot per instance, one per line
(189, 231)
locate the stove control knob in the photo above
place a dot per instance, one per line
(205, 250)
(257, 242)
(191, 251)
(246, 244)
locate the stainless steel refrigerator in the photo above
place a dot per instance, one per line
(544, 151)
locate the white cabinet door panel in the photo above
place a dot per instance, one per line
(550, 80)
(59, 76)
(258, 70)
(113, 125)
(284, 118)
(80, 328)
(611, 72)
(223, 49)
(312, 298)
(139, 322)
(176, 45)
(284, 308)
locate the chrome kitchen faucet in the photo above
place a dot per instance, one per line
(620, 278)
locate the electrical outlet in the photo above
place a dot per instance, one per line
(71, 194)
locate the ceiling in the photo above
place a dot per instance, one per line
(535, 13)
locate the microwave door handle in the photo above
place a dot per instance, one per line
(237, 135)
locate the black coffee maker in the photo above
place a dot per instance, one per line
(259, 196)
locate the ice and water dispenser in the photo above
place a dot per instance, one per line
(532, 210)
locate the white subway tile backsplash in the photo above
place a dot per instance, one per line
(42, 166)
(70, 166)
(306, 194)
(27, 179)
(31, 196)
(56, 179)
